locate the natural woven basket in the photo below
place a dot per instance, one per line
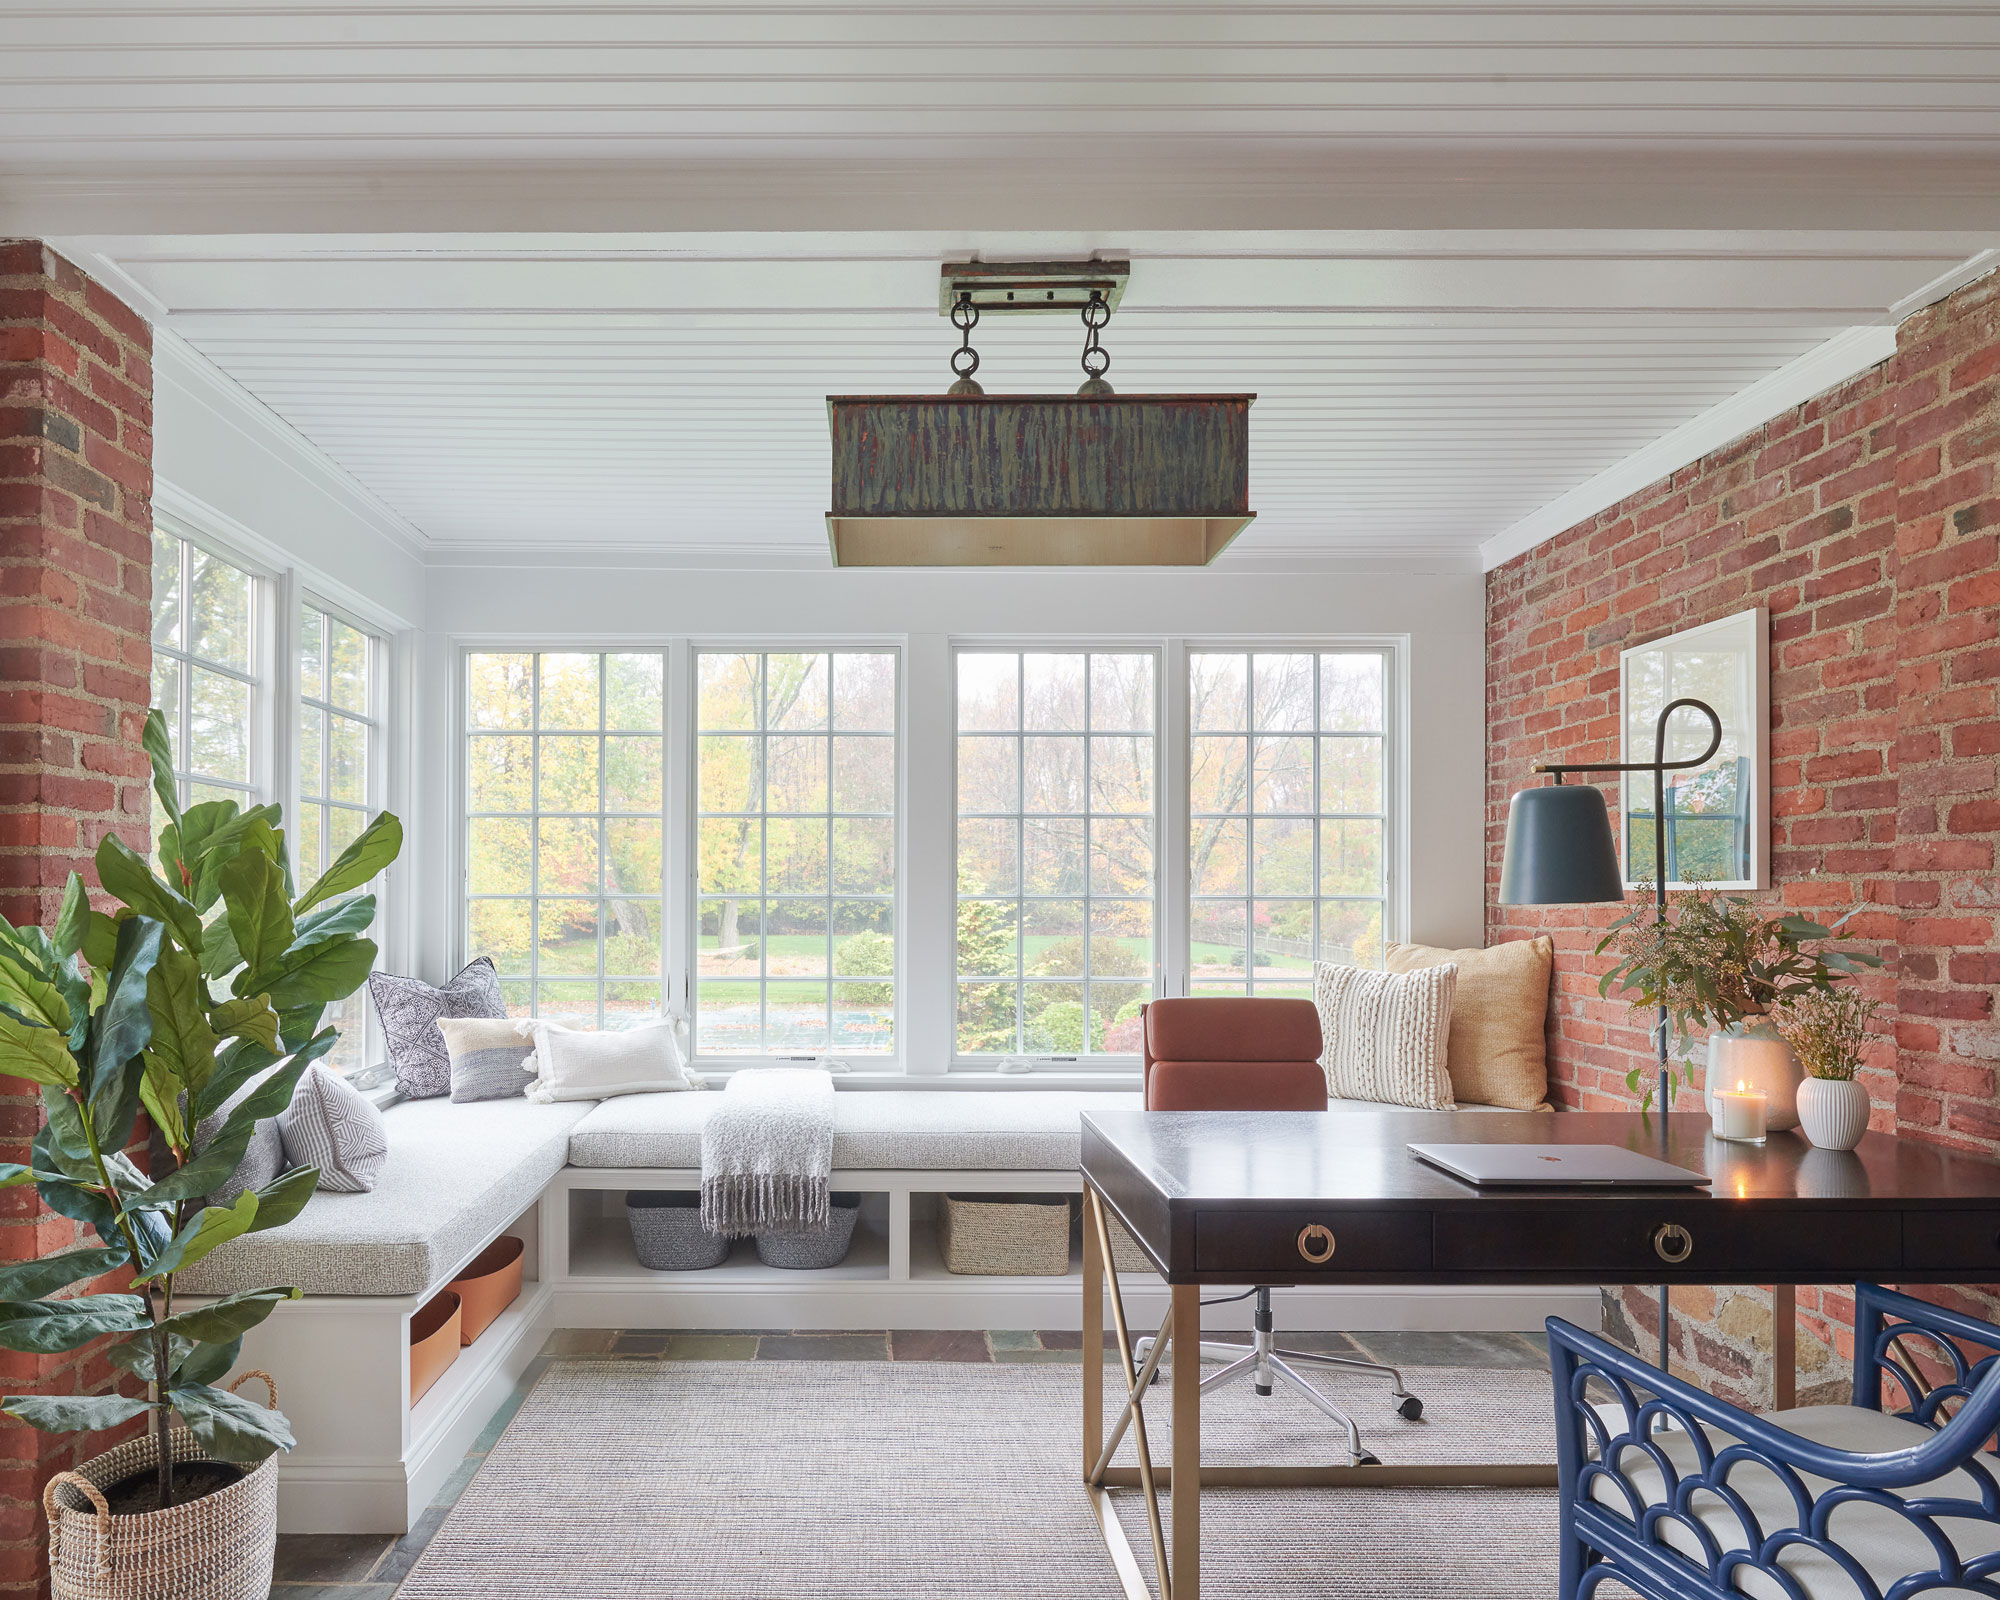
(1125, 1251)
(219, 1547)
(1023, 1236)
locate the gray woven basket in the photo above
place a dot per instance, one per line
(812, 1252)
(1015, 1236)
(667, 1231)
(219, 1547)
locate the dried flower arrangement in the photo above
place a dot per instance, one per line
(1826, 1028)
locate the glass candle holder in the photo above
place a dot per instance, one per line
(1740, 1114)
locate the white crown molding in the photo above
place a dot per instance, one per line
(190, 517)
(1973, 267)
(1821, 368)
(176, 361)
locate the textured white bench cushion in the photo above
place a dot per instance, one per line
(455, 1174)
(924, 1129)
(995, 1130)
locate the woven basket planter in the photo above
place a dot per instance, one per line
(219, 1547)
(1014, 1236)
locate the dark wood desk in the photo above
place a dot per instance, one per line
(1286, 1197)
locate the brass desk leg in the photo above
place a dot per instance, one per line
(1784, 1346)
(1186, 1486)
(1093, 1336)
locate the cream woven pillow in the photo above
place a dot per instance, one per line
(1386, 1034)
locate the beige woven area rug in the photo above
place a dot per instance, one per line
(751, 1480)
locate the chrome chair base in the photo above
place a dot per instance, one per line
(1263, 1361)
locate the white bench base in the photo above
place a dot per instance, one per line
(370, 1462)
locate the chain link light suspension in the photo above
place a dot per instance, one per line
(1096, 359)
(965, 359)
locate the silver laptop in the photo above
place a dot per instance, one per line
(1564, 1164)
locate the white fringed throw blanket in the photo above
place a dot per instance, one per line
(767, 1153)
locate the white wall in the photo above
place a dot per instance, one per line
(1438, 617)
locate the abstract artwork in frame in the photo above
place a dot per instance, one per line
(1718, 816)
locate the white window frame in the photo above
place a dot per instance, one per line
(1086, 1061)
(265, 740)
(1395, 781)
(673, 997)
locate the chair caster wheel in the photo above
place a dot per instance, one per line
(1367, 1460)
(1411, 1408)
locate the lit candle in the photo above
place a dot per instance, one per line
(1739, 1114)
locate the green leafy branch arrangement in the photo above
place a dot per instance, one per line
(1714, 961)
(209, 974)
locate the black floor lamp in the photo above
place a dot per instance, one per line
(1560, 852)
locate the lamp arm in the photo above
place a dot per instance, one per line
(1660, 734)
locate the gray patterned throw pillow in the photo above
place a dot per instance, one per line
(410, 1008)
(331, 1125)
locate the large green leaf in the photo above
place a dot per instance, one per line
(260, 920)
(210, 1166)
(352, 915)
(119, 1032)
(134, 1354)
(208, 1363)
(219, 955)
(30, 1280)
(160, 752)
(44, 1327)
(230, 1427)
(100, 940)
(183, 1043)
(380, 843)
(83, 1413)
(323, 973)
(247, 1017)
(214, 832)
(128, 877)
(284, 1198)
(13, 1174)
(41, 1055)
(230, 1317)
(73, 920)
(212, 1226)
(28, 991)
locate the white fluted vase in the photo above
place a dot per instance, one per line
(1833, 1112)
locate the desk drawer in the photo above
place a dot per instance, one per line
(1626, 1242)
(1292, 1244)
(1952, 1241)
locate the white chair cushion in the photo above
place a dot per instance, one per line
(1887, 1545)
(998, 1130)
(455, 1174)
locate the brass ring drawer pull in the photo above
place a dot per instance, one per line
(1316, 1243)
(1672, 1243)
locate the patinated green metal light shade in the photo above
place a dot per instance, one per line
(976, 480)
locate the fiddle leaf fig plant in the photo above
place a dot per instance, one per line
(1716, 960)
(211, 978)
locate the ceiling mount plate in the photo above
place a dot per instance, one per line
(1031, 285)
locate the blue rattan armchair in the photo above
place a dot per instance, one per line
(1860, 1502)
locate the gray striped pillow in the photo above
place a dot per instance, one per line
(489, 1059)
(331, 1125)
(1385, 1033)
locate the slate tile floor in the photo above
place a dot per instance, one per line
(337, 1566)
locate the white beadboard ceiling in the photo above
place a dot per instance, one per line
(578, 277)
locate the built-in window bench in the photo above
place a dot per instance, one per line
(459, 1176)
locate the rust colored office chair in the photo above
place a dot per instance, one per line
(1226, 1054)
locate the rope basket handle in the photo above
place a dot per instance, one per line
(270, 1385)
(97, 1499)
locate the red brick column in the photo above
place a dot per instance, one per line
(76, 482)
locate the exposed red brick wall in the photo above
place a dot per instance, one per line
(1864, 520)
(75, 660)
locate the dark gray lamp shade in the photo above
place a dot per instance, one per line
(1559, 848)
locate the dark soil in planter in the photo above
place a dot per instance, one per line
(140, 1493)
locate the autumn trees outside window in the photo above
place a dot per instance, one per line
(206, 672)
(795, 934)
(1057, 778)
(566, 833)
(1288, 816)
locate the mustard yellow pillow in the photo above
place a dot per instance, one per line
(1496, 1053)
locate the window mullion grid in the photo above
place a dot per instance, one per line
(764, 852)
(603, 833)
(1316, 881)
(1089, 809)
(1021, 846)
(535, 834)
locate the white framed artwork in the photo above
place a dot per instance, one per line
(1719, 814)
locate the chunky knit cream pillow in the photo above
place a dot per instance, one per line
(1386, 1034)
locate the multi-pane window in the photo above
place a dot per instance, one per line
(795, 873)
(338, 750)
(565, 841)
(1287, 808)
(1056, 814)
(204, 670)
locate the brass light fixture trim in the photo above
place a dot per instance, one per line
(1094, 478)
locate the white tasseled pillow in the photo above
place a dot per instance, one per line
(575, 1065)
(1386, 1033)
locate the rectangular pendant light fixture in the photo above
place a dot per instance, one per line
(1038, 480)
